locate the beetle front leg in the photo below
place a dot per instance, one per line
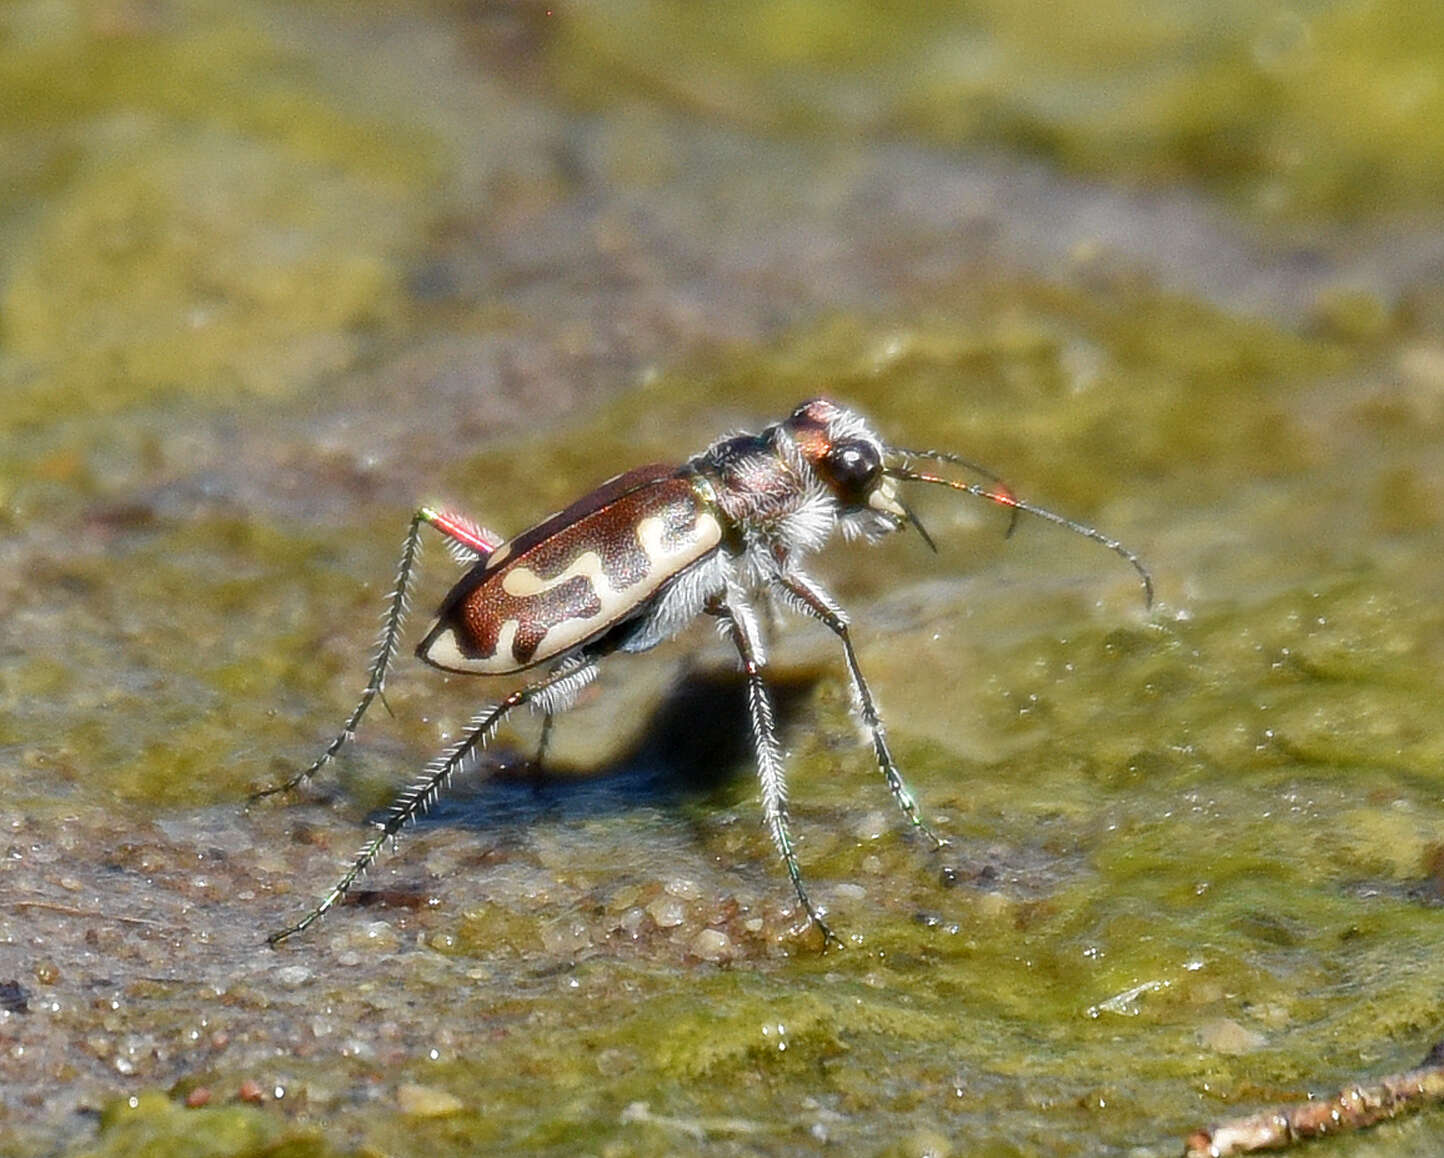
(562, 685)
(742, 628)
(807, 596)
(461, 532)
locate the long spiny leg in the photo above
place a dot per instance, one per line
(462, 535)
(741, 627)
(434, 778)
(808, 597)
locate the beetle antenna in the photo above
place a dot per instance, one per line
(1001, 495)
(967, 464)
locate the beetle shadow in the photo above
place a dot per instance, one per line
(697, 743)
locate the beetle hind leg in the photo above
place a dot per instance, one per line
(386, 646)
(434, 779)
(462, 534)
(565, 681)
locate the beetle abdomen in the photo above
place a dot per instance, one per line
(568, 580)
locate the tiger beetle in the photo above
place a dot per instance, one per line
(630, 564)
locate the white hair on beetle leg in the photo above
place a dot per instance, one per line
(560, 696)
(770, 771)
(461, 554)
(747, 623)
(435, 777)
(866, 524)
(868, 724)
(798, 604)
(806, 529)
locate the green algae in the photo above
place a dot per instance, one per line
(1090, 388)
(154, 1125)
(191, 212)
(1166, 828)
(209, 288)
(1296, 111)
(1196, 856)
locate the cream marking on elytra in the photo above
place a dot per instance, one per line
(445, 652)
(705, 535)
(506, 637)
(663, 563)
(523, 581)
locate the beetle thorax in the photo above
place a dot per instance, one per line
(792, 485)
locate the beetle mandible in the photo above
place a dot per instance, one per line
(630, 564)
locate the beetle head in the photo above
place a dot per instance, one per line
(848, 460)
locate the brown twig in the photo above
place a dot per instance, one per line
(1352, 1108)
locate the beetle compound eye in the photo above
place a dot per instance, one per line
(854, 466)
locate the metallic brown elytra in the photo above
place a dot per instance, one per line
(634, 561)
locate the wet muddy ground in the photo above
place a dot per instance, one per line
(271, 276)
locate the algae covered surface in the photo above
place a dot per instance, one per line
(272, 275)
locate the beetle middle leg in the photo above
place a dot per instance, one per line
(560, 689)
(564, 681)
(463, 536)
(742, 628)
(553, 693)
(544, 741)
(803, 593)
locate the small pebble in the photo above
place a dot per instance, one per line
(667, 911)
(1227, 1036)
(632, 922)
(426, 1101)
(712, 945)
(924, 1143)
(567, 935)
(14, 997)
(292, 976)
(683, 887)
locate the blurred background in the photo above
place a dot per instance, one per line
(272, 274)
